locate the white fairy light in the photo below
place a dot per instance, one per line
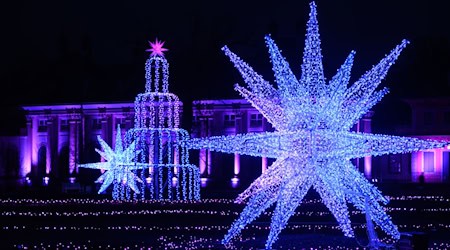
(312, 143)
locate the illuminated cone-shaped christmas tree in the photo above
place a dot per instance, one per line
(158, 137)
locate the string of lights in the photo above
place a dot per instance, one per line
(156, 152)
(158, 137)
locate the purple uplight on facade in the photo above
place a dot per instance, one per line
(57, 134)
(431, 163)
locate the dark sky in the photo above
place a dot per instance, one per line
(94, 51)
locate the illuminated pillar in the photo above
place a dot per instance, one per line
(263, 164)
(151, 156)
(205, 154)
(238, 129)
(416, 165)
(72, 146)
(48, 163)
(128, 122)
(25, 152)
(367, 159)
(357, 160)
(25, 158)
(237, 164)
(74, 140)
(104, 135)
(202, 161)
(34, 144)
(30, 143)
(113, 130)
(208, 162)
(176, 160)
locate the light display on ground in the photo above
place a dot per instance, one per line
(312, 143)
(119, 167)
(158, 137)
(199, 224)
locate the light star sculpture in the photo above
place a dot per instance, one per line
(119, 166)
(156, 48)
(312, 142)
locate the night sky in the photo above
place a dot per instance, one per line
(94, 51)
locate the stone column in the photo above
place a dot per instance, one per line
(176, 159)
(74, 141)
(208, 162)
(237, 165)
(264, 159)
(34, 145)
(205, 154)
(48, 146)
(263, 164)
(72, 146)
(202, 161)
(105, 134)
(357, 160)
(113, 133)
(238, 129)
(367, 126)
(29, 147)
(77, 148)
(128, 122)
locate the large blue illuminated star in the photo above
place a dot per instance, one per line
(118, 165)
(312, 143)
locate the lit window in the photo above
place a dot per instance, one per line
(256, 120)
(229, 121)
(428, 162)
(64, 125)
(121, 121)
(96, 123)
(42, 127)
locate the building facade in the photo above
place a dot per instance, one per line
(58, 137)
(430, 119)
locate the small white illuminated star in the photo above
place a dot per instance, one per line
(118, 165)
